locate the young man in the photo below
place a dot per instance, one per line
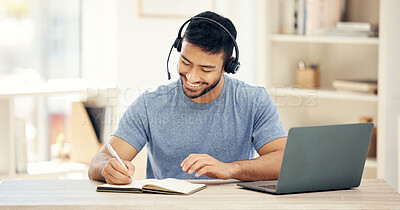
(204, 125)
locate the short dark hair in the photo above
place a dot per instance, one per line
(210, 37)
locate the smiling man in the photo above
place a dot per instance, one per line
(204, 125)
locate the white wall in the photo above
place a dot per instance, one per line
(143, 46)
(99, 42)
(389, 91)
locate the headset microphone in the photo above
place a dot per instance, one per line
(169, 55)
(231, 66)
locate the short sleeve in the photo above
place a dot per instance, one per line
(267, 125)
(133, 126)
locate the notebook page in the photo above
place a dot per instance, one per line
(176, 185)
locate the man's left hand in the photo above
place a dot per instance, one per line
(206, 165)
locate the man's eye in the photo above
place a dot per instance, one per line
(184, 63)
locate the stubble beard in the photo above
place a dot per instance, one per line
(206, 90)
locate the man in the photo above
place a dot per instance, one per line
(205, 125)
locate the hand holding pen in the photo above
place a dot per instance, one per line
(117, 171)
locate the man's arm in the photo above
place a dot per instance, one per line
(106, 168)
(265, 167)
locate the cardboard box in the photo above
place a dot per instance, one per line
(84, 142)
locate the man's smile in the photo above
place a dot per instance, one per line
(192, 87)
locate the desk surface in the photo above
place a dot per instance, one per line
(81, 194)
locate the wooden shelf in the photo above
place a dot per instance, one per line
(323, 93)
(324, 39)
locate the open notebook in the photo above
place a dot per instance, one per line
(162, 186)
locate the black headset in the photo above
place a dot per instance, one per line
(231, 66)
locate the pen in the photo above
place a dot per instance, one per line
(115, 155)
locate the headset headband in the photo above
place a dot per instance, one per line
(220, 25)
(232, 64)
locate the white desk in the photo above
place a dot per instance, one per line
(81, 194)
(86, 87)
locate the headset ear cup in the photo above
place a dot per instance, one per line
(228, 65)
(178, 44)
(236, 67)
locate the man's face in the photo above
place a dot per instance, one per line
(200, 73)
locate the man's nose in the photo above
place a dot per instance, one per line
(193, 76)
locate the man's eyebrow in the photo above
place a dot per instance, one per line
(186, 59)
(204, 66)
(208, 66)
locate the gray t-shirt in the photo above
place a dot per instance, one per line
(232, 127)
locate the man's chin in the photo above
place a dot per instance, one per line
(192, 94)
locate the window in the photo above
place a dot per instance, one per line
(39, 40)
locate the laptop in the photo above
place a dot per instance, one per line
(320, 158)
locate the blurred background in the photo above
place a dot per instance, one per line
(70, 68)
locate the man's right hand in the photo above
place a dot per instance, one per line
(115, 173)
(102, 168)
